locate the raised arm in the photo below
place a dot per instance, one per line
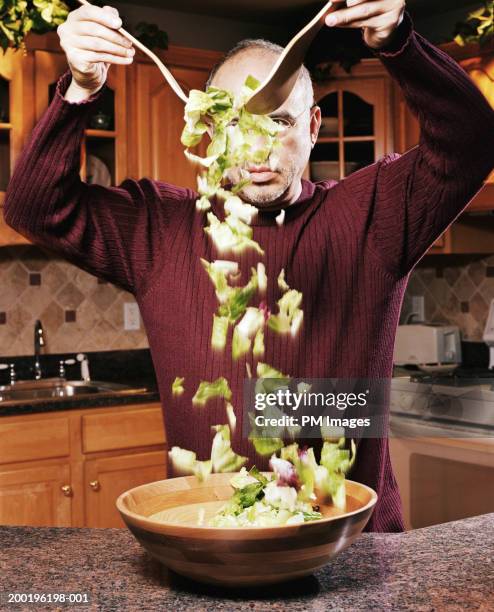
(416, 196)
(112, 232)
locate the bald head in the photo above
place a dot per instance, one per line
(257, 57)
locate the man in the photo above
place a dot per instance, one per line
(348, 247)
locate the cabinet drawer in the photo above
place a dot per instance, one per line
(129, 429)
(42, 439)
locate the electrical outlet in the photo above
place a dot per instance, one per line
(418, 307)
(132, 317)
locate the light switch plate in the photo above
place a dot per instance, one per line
(132, 317)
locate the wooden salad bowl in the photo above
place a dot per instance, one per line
(164, 517)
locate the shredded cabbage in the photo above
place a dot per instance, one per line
(210, 390)
(178, 386)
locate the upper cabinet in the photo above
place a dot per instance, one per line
(104, 151)
(154, 141)
(356, 121)
(16, 122)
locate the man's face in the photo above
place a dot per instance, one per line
(277, 182)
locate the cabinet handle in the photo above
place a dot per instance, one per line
(95, 485)
(67, 490)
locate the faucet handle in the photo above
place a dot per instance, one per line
(11, 366)
(84, 361)
(62, 364)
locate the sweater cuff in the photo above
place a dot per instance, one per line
(400, 40)
(61, 89)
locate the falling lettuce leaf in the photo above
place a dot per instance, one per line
(222, 455)
(210, 390)
(178, 386)
(290, 315)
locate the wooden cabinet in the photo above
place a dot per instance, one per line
(68, 468)
(356, 121)
(108, 477)
(159, 115)
(16, 122)
(37, 494)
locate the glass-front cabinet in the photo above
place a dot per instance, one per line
(356, 127)
(103, 154)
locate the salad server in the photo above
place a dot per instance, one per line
(163, 69)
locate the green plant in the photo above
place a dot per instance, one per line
(18, 17)
(478, 27)
(151, 36)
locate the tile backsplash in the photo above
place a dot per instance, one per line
(457, 290)
(81, 313)
(78, 311)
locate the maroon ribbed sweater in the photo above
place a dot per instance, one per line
(348, 246)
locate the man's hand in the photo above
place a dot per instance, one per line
(91, 43)
(378, 19)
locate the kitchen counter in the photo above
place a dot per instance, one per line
(89, 401)
(445, 567)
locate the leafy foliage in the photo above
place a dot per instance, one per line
(18, 17)
(478, 28)
(151, 36)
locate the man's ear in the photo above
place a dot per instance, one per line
(315, 124)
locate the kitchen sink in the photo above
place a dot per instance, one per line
(57, 389)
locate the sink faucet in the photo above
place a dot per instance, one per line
(39, 341)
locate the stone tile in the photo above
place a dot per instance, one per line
(54, 278)
(100, 339)
(104, 296)
(471, 329)
(430, 310)
(66, 340)
(84, 281)
(479, 309)
(439, 290)
(464, 288)
(33, 258)
(36, 299)
(19, 319)
(14, 283)
(487, 290)
(88, 315)
(476, 272)
(451, 275)
(7, 341)
(52, 319)
(69, 297)
(415, 285)
(451, 308)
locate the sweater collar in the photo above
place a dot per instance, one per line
(292, 211)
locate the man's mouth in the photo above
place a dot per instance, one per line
(261, 174)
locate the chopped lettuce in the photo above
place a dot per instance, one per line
(290, 316)
(210, 390)
(178, 386)
(223, 457)
(266, 446)
(220, 332)
(232, 419)
(282, 284)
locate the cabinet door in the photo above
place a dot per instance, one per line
(355, 129)
(160, 121)
(37, 495)
(106, 133)
(107, 478)
(16, 120)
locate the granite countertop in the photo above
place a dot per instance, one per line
(78, 402)
(445, 567)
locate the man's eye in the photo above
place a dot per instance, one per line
(282, 122)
